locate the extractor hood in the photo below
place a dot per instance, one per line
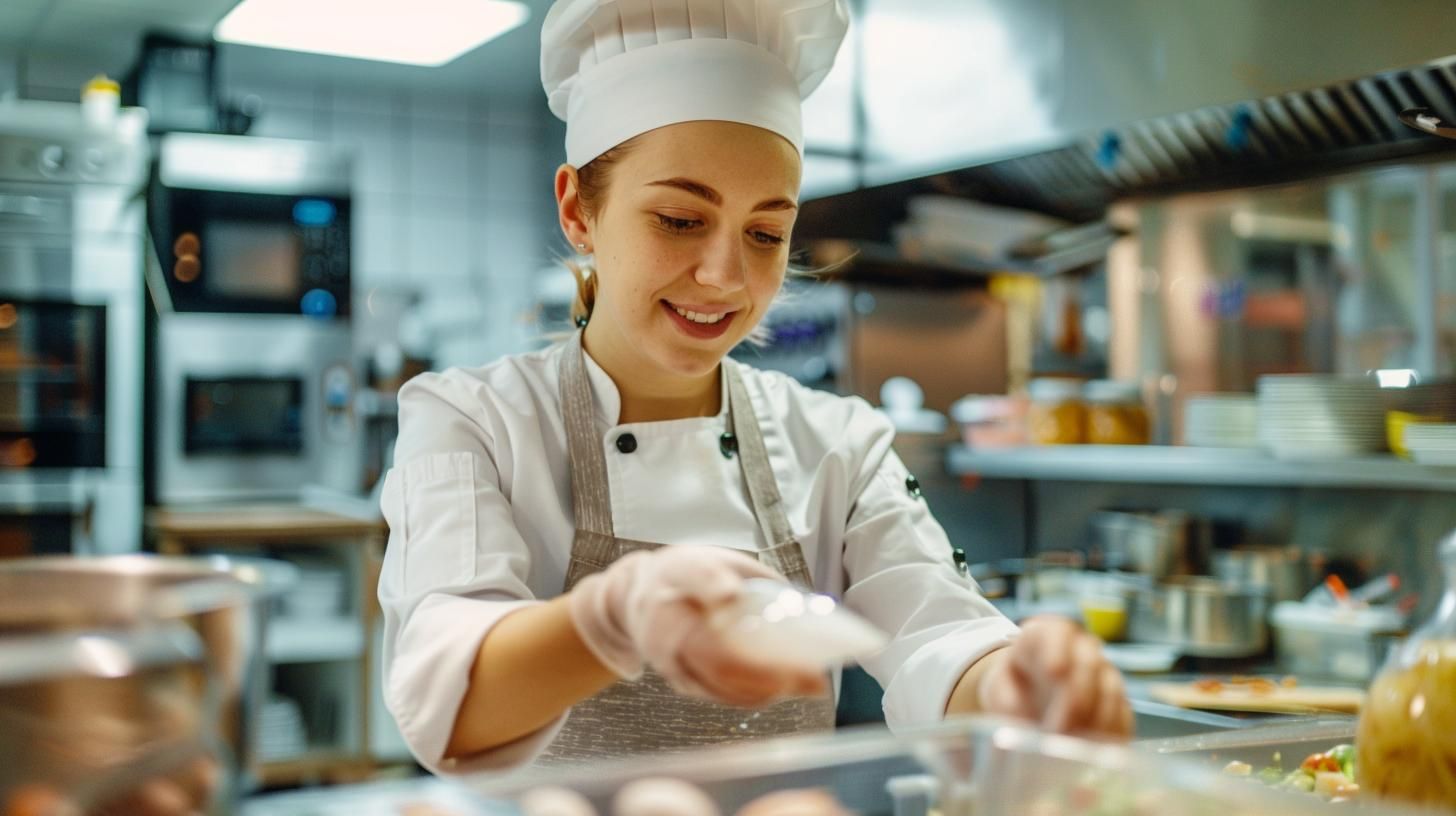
(1263, 140)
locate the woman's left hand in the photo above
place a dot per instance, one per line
(1056, 675)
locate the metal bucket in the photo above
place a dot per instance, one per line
(223, 600)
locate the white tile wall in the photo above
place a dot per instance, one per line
(452, 194)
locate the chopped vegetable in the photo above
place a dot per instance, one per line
(1237, 768)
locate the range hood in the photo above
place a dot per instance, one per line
(1283, 137)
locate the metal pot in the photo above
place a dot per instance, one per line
(92, 719)
(1203, 617)
(1159, 545)
(1285, 571)
(222, 600)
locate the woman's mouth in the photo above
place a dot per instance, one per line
(703, 325)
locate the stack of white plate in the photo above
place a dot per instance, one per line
(1432, 443)
(320, 592)
(1221, 421)
(1317, 416)
(280, 731)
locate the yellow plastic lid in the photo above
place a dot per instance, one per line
(102, 83)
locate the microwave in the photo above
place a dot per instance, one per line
(247, 225)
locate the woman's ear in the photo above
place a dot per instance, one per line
(568, 207)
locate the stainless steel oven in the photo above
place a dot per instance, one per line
(71, 239)
(252, 380)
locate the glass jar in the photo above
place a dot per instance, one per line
(1056, 415)
(1406, 742)
(1115, 414)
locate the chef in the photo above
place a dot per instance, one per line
(563, 522)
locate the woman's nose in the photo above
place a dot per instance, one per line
(722, 265)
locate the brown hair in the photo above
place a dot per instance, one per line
(592, 179)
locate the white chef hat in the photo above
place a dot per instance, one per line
(614, 69)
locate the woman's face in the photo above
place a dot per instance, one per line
(691, 245)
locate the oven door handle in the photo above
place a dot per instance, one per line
(43, 500)
(17, 206)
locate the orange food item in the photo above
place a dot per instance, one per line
(1208, 685)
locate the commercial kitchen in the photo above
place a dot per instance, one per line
(1082, 385)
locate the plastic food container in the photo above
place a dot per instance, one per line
(1115, 414)
(1331, 642)
(1057, 415)
(977, 767)
(990, 421)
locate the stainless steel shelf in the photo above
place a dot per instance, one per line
(1154, 464)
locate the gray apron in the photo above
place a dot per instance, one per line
(646, 715)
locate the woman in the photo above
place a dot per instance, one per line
(562, 522)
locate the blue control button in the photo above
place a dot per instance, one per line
(319, 303)
(314, 212)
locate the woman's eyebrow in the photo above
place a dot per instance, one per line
(715, 198)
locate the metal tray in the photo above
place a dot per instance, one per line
(1258, 745)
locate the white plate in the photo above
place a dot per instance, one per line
(1141, 658)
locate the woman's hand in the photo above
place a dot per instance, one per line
(1056, 675)
(651, 608)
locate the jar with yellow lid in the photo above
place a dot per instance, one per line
(1115, 414)
(100, 101)
(1056, 415)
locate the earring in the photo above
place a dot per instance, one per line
(581, 321)
(581, 247)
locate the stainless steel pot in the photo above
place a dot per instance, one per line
(1159, 545)
(1287, 572)
(222, 600)
(98, 720)
(1203, 617)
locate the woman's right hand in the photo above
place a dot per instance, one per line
(651, 608)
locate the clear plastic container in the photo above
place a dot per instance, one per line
(977, 767)
(1057, 414)
(1407, 735)
(1322, 641)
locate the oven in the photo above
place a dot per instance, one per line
(71, 239)
(251, 375)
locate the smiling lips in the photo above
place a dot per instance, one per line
(705, 322)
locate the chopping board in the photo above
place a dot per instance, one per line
(1278, 700)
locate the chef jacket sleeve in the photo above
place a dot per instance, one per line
(900, 575)
(455, 566)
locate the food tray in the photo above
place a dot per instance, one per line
(984, 767)
(1257, 745)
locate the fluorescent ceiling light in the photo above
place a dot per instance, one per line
(412, 32)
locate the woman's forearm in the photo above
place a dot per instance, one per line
(530, 668)
(965, 698)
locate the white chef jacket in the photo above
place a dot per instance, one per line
(480, 517)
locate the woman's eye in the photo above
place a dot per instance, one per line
(676, 224)
(767, 238)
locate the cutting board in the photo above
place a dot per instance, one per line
(1297, 700)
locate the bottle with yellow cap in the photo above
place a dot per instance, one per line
(100, 100)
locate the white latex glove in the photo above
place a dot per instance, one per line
(650, 608)
(1056, 675)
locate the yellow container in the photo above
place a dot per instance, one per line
(1395, 425)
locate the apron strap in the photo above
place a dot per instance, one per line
(590, 491)
(783, 552)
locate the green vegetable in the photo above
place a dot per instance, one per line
(1345, 755)
(1271, 775)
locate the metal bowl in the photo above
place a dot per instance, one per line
(222, 600)
(1203, 617)
(92, 718)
